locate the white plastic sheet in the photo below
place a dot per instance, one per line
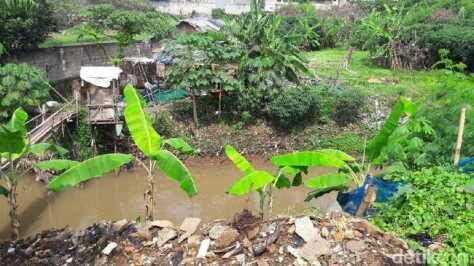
(100, 76)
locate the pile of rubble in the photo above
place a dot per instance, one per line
(246, 240)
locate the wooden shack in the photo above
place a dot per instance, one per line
(100, 93)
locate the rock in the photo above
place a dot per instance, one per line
(11, 251)
(194, 241)
(240, 259)
(349, 234)
(70, 260)
(161, 224)
(259, 248)
(252, 233)
(237, 249)
(164, 235)
(325, 232)
(121, 225)
(217, 230)
(314, 248)
(356, 245)
(109, 248)
(262, 262)
(293, 251)
(203, 248)
(365, 227)
(227, 237)
(142, 233)
(147, 261)
(305, 228)
(189, 226)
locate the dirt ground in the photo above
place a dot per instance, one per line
(336, 239)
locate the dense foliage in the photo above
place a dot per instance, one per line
(433, 204)
(18, 80)
(293, 106)
(25, 23)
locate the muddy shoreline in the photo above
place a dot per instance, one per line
(335, 239)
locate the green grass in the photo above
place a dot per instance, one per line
(71, 37)
(366, 76)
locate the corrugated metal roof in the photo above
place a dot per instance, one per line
(203, 24)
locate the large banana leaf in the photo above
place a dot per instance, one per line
(255, 180)
(239, 160)
(403, 106)
(43, 147)
(139, 124)
(308, 158)
(327, 181)
(180, 145)
(18, 121)
(339, 154)
(57, 165)
(88, 169)
(11, 142)
(176, 170)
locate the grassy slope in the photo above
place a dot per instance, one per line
(394, 82)
(71, 37)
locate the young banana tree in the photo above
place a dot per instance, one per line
(149, 142)
(352, 171)
(292, 165)
(14, 147)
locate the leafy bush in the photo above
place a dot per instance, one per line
(97, 15)
(442, 108)
(299, 26)
(292, 106)
(458, 39)
(349, 106)
(326, 101)
(434, 204)
(25, 23)
(18, 81)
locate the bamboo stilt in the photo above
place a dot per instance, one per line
(457, 152)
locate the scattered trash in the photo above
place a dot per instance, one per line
(203, 248)
(109, 248)
(311, 241)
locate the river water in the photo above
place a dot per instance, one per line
(118, 196)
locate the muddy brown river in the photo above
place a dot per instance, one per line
(115, 197)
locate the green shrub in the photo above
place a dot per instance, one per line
(349, 106)
(292, 107)
(326, 100)
(18, 81)
(25, 24)
(458, 39)
(434, 204)
(164, 125)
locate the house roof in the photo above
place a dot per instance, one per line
(100, 75)
(203, 24)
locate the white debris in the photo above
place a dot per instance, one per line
(203, 248)
(109, 248)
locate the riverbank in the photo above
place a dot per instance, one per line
(336, 239)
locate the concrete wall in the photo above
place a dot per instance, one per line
(204, 7)
(61, 63)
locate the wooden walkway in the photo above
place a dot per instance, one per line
(42, 129)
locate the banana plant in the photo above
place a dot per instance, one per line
(351, 171)
(14, 146)
(150, 143)
(292, 165)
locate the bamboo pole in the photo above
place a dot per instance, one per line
(457, 152)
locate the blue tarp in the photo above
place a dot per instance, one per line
(467, 164)
(350, 201)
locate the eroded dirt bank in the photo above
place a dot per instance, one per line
(336, 239)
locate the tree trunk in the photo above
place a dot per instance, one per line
(15, 223)
(195, 117)
(150, 200)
